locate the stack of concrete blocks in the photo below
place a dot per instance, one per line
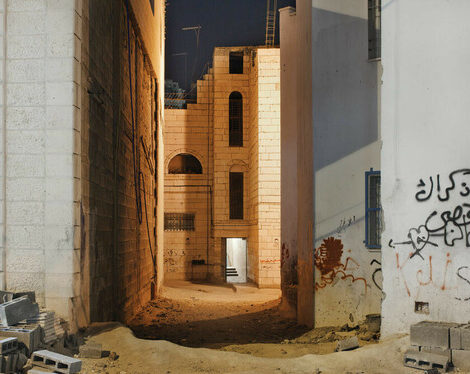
(11, 359)
(46, 321)
(439, 346)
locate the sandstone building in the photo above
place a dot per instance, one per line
(222, 173)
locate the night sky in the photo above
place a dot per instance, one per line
(224, 23)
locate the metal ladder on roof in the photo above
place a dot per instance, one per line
(271, 15)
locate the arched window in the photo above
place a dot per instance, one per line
(184, 163)
(235, 119)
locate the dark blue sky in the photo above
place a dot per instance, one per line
(224, 23)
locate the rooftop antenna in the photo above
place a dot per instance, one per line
(271, 12)
(196, 29)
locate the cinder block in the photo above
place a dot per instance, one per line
(347, 344)
(28, 336)
(455, 337)
(465, 337)
(17, 310)
(431, 334)
(439, 351)
(90, 350)
(38, 371)
(461, 359)
(8, 345)
(57, 362)
(425, 360)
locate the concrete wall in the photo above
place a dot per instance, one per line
(342, 122)
(426, 107)
(40, 208)
(62, 101)
(202, 130)
(120, 140)
(345, 146)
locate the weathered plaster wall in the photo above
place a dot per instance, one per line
(425, 113)
(345, 146)
(288, 62)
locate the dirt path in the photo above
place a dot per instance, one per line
(214, 317)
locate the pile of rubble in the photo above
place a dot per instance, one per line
(25, 332)
(439, 346)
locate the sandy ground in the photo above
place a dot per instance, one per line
(245, 332)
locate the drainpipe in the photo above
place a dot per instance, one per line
(4, 122)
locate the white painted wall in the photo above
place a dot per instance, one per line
(345, 146)
(236, 257)
(425, 118)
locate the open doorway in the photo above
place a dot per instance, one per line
(235, 269)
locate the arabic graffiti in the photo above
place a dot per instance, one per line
(375, 272)
(459, 179)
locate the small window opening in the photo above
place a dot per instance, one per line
(184, 163)
(236, 63)
(373, 210)
(421, 307)
(236, 195)
(236, 119)
(374, 21)
(179, 222)
(152, 5)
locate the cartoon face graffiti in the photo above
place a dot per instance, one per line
(419, 237)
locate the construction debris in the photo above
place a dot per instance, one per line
(24, 330)
(347, 344)
(91, 350)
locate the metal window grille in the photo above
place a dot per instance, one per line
(375, 45)
(179, 221)
(236, 195)
(236, 63)
(373, 210)
(235, 120)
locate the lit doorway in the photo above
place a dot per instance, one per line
(235, 270)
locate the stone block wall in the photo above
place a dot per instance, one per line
(203, 129)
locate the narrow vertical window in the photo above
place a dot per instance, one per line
(152, 5)
(373, 210)
(235, 119)
(236, 63)
(374, 8)
(236, 195)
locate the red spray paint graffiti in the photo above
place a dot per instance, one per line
(328, 261)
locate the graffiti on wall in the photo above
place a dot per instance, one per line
(328, 261)
(449, 225)
(376, 271)
(443, 228)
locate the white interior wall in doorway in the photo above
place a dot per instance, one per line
(236, 260)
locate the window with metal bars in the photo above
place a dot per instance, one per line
(236, 195)
(179, 221)
(375, 45)
(373, 210)
(235, 119)
(236, 63)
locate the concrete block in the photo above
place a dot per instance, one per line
(8, 345)
(28, 336)
(56, 362)
(431, 334)
(17, 310)
(35, 370)
(465, 337)
(90, 350)
(347, 344)
(461, 359)
(11, 363)
(439, 351)
(425, 360)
